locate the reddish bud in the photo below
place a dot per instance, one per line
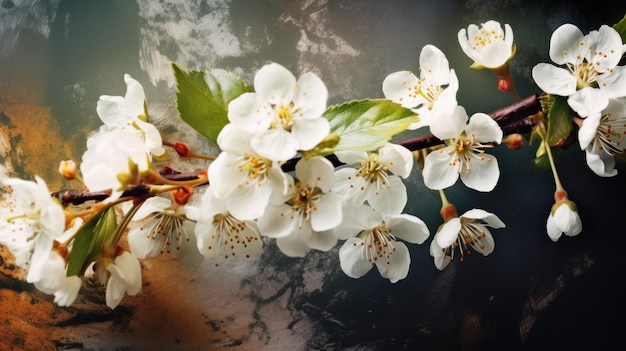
(182, 149)
(448, 212)
(182, 195)
(560, 195)
(514, 141)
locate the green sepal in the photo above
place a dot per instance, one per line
(202, 98)
(560, 117)
(367, 124)
(89, 241)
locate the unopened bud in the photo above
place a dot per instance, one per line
(68, 169)
(448, 212)
(182, 195)
(182, 149)
(514, 141)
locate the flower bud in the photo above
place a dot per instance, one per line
(68, 169)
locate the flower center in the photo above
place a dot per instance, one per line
(485, 37)
(169, 229)
(255, 169)
(464, 149)
(231, 235)
(607, 135)
(378, 244)
(284, 116)
(373, 171)
(304, 202)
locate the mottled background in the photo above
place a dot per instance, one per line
(58, 57)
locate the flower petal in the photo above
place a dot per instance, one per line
(350, 258)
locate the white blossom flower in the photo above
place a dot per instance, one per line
(376, 178)
(591, 75)
(121, 274)
(462, 233)
(163, 226)
(54, 280)
(488, 45)
(430, 95)
(463, 153)
(376, 242)
(601, 137)
(307, 219)
(113, 160)
(285, 115)
(35, 222)
(563, 218)
(243, 179)
(130, 111)
(220, 235)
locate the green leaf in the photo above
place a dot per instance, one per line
(559, 120)
(620, 27)
(202, 98)
(366, 125)
(89, 241)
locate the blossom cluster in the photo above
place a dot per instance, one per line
(246, 197)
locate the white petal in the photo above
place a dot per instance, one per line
(588, 130)
(275, 144)
(483, 175)
(249, 202)
(397, 158)
(408, 228)
(66, 296)
(567, 220)
(400, 87)
(349, 157)
(554, 80)
(554, 232)
(488, 217)
(388, 200)
(613, 84)
(293, 245)
(328, 213)
(482, 128)
(350, 258)
(600, 162)
(322, 240)
(278, 221)
(439, 171)
(397, 268)
(309, 132)
(565, 39)
(247, 112)
(588, 101)
(448, 233)
(311, 96)
(451, 126)
(274, 84)
(317, 171)
(440, 260)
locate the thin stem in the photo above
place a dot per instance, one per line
(444, 199)
(557, 180)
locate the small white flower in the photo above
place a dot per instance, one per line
(376, 243)
(243, 179)
(35, 222)
(464, 232)
(591, 75)
(376, 178)
(222, 236)
(488, 45)
(463, 155)
(307, 219)
(162, 226)
(130, 111)
(563, 218)
(430, 95)
(121, 275)
(114, 159)
(601, 137)
(285, 115)
(54, 280)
